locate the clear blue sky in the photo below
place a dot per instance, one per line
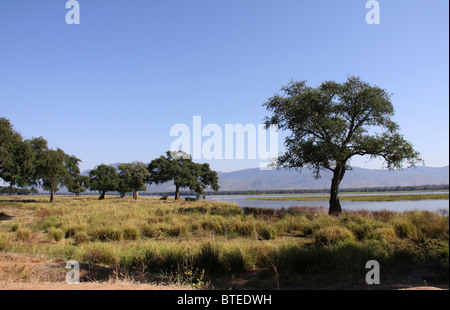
(109, 90)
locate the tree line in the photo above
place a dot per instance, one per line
(31, 163)
(328, 125)
(432, 187)
(17, 191)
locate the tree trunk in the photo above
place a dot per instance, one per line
(52, 195)
(335, 205)
(102, 195)
(177, 193)
(136, 194)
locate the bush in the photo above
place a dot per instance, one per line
(264, 231)
(246, 228)
(4, 242)
(208, 258)
(99, 254)
(292, 224)
(164, 197)
(332, 235)
(81, 237)
(70, 232)
(23, 234)
(106, 234)
(404, 228)
(215, 224)
(52, 221)
(130, 233)
(234, 260)
(3, 215)
(55, 234)
(386, 234)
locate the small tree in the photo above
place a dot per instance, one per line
(334, 122)
(55, 168)
(123, 188)
(103, 179)
(78, 184)
(179, 167)
(16, 156)
(133, 176)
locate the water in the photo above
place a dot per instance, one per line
(403, 205)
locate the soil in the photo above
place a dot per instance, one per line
(25, 272)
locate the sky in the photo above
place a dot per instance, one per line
(110, 88)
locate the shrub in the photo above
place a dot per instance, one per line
(3, 215)
(386, 234)
(404, 228)
(291, 224)
(264, 231)
(106, 234)
(55, 234)
(99, 254)
(208, 258)
(234, 260)
(214, 223)
(23, 234)
(164, 197)
(332, 235)
(52, 221)
(130, 233)
(70, 232)
(4, 242)
(258, 211)
(81, 237)
(246, 228)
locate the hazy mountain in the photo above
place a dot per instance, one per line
(256, 179)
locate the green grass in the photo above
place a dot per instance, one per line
(207, 238)
(359, 197)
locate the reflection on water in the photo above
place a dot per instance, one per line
(430, 205)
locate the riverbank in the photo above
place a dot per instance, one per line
(373, 197)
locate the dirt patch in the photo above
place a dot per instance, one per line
(25, 272)
(111, 285)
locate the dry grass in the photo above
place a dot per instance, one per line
(177, 241)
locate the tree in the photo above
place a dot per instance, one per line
(179, 167)
(103, 179)
(133, 176)
(55, 168)
(123, 187)
(332, 123)
(16, 156)
(206, 178)
(78, 184)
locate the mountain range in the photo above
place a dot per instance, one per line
(282, 179)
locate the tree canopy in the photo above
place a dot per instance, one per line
(56, 168)
(133, 177)
(330, 124)
(179, 168)
(103, 178)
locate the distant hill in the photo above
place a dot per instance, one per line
(256, 179)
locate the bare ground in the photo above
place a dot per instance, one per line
(25, 272)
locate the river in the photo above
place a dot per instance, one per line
(402, 205)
